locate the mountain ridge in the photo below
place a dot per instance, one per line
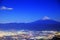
(37, 25)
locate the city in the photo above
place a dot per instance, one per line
(28, 35)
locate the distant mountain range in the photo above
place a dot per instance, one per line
(37, 25)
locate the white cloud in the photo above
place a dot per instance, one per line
(46, 18)
(5, 8)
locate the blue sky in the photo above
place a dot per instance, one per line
(29, 10)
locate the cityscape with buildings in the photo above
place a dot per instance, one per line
(28, 35)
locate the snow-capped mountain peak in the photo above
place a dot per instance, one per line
(46, 18)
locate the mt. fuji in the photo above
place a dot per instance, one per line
(41, 25)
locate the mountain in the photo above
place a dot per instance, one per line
(37, 25)
(46, 25)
